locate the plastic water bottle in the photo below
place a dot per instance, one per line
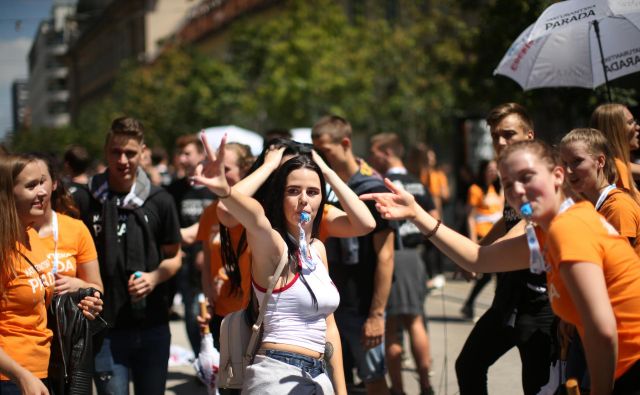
(305, 254)
(138, 307)
(537, 264)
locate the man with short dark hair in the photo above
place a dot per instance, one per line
(76, 163)
(362, 267)
(520, 314)
(136, 230)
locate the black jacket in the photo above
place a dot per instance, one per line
(71, 361)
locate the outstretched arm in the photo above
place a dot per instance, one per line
(356, 219)
(399, 204)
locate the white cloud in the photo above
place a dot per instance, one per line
(13, 65)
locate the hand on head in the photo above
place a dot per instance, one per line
(211, 173)
(397, 204)
(273, 155)
(320, 162)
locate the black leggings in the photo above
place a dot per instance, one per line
(491, 338)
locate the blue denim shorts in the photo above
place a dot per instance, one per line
(314, 367)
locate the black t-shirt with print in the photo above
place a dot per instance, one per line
(190, 200)
(409, 232)
(353, 274)
(162, 220)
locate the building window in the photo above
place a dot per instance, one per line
(57, 84)
(58, 107)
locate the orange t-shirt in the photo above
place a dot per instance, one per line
(623, 174)
(435, 181)
(75, 245)
(227, 302)
(24, 335)
(581, 235)
(323, 231)
(488, 207)
(621, 211)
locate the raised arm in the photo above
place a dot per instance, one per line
(399, 204)
(356, 219)
(250, 184)
(260, 235)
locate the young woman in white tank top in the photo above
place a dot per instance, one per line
(300, 334)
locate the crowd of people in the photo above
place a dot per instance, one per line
(92, 261)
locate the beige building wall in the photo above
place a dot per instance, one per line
(162, 22)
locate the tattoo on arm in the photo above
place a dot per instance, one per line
(328, 351)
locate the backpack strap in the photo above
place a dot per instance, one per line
(263, 306)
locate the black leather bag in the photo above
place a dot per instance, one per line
(71, 362)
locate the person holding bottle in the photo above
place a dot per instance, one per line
(137, 233)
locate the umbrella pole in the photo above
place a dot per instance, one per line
(596, 27)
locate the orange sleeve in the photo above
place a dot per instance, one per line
(474, 196)
(623, 214)
(86, 247)
(444, 182)
(323, 232)
(208, 219)
(567, 248)
(623, 174)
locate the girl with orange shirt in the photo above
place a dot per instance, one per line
(593, 274)
(71, 251)
(621, 129)
(25, 339)
(591, 172)
(485, 203)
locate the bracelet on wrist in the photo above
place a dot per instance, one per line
(220, 197)
(433, 231)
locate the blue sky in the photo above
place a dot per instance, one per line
(19, 20)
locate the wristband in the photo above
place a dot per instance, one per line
(433, 231)
(225, 196)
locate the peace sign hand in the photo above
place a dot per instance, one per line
(211, 173)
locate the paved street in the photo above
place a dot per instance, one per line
(447, 334)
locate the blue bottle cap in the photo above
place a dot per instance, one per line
(305, 217)
(526, 209)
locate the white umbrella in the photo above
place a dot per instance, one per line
(234, 134)
(571, 41)
(301, 135)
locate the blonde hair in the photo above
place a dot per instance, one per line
(610, 120)
(335, 126)
(245, 158)
(597, 144)
(537, 147)
(10, 226)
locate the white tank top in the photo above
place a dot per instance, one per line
(291, 318)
